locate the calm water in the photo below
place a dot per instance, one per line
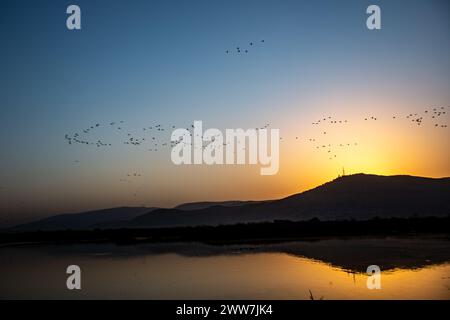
(198, 271)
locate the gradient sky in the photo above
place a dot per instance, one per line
(149, 62)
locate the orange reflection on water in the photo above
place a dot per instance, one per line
(235, 276)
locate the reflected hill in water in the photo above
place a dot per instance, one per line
(354, 255)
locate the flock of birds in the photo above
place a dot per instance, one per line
(435, 116)
(157, 136)
(130, 177)
(434, 113)
(150, 135)
(246, 49)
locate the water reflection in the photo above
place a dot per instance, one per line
(416, 269)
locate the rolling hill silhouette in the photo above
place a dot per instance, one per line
(84, 220)
(206, 204)
(359, 197)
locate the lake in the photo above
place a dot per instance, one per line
(329, 269)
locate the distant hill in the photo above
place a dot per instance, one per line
(84, 220)
(106, 218)
(358, 197)
(206, 204)
(363, 196)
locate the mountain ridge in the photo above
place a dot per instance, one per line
(358, 196)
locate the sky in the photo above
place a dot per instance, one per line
(165, 62)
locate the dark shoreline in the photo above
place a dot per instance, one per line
(277, 231)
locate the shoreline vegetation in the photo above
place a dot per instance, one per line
(276, 231)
